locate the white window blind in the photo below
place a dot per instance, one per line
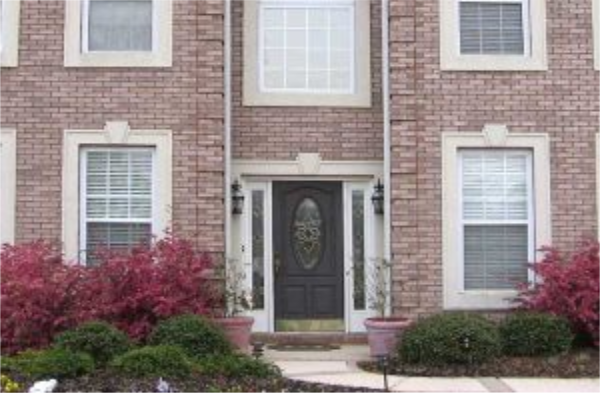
(493, 28)
(307, 46)
(117, 199)
(118, 25)
(497, 220)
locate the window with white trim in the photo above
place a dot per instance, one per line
(117, 194)
(118, 33)
(307, 52)
(495, 214)
(307, 46)
(497, 219)
(9, 32)
(493, 34)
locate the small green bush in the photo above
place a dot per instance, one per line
(455, 338)
(51, 363)
(237, 366)
(535, 334)
(159, 361)
(100, 340)
(194, 334)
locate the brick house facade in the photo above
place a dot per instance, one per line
(284, 155)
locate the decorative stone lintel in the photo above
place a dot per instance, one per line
(116, 131)
(495, 135)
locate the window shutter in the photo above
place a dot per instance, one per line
(118, 198)
(120, 25)
(495, 212)
(491, 28)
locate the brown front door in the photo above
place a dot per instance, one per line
(308, 255)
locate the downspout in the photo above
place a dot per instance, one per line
(385, 83)
(227, 126)
(387, 178)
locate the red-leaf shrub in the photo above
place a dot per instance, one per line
(568, 287)
(134, 291)
(40, 295)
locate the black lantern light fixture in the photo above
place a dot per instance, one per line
(237, 198)
(378, 198)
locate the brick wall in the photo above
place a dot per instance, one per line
(281, 133)
(41, 98)
(563, 102)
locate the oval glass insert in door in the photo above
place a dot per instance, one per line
(308, 236)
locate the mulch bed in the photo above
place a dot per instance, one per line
(576, 364)
(106, 381)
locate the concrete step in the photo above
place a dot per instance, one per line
(310, 338)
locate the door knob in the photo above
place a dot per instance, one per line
(276, 262)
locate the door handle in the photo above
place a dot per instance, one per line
(276, 262)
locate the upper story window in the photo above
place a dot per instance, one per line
(307, 49)
(9, 32)
(494, 35)
(307, 52)
(118, 33)
(117, 25)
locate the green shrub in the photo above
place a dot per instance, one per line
(194, 334)
(159, 361)
(100, 340)
(455, 338)
(236, 366)
(50, 363)
(535, 334)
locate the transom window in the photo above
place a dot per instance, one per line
(117, 198)
(497, 219)
(307, 46)
(494, 27)
(118, 25)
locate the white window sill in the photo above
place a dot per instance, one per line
(480, 300)
(493, 63)
(118, 59)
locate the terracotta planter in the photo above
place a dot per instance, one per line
(384, 333)
(238, 331)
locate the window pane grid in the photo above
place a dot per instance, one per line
(307, 48)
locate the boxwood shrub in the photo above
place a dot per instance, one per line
(50, 363)
(100, 340)
(158, 361)
(194, 334)
(535, 334)
(455, 338)
(238, 366)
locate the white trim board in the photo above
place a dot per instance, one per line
(8, 179)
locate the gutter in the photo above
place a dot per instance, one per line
(227, 126)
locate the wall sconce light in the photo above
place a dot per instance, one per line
(237, 198)
(378, 198)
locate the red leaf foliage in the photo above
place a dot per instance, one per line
(568, 287)
(41, 295)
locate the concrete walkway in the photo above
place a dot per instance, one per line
(339, 367)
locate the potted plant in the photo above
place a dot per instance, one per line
(383, 331)
(236, 300)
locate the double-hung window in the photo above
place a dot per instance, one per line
(117, 197)
(497, 223)
(118, 33)
(493, 34)
(307, 52)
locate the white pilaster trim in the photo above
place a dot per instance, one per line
(8, 166)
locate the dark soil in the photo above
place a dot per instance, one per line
(106, 381)
(582, 363)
